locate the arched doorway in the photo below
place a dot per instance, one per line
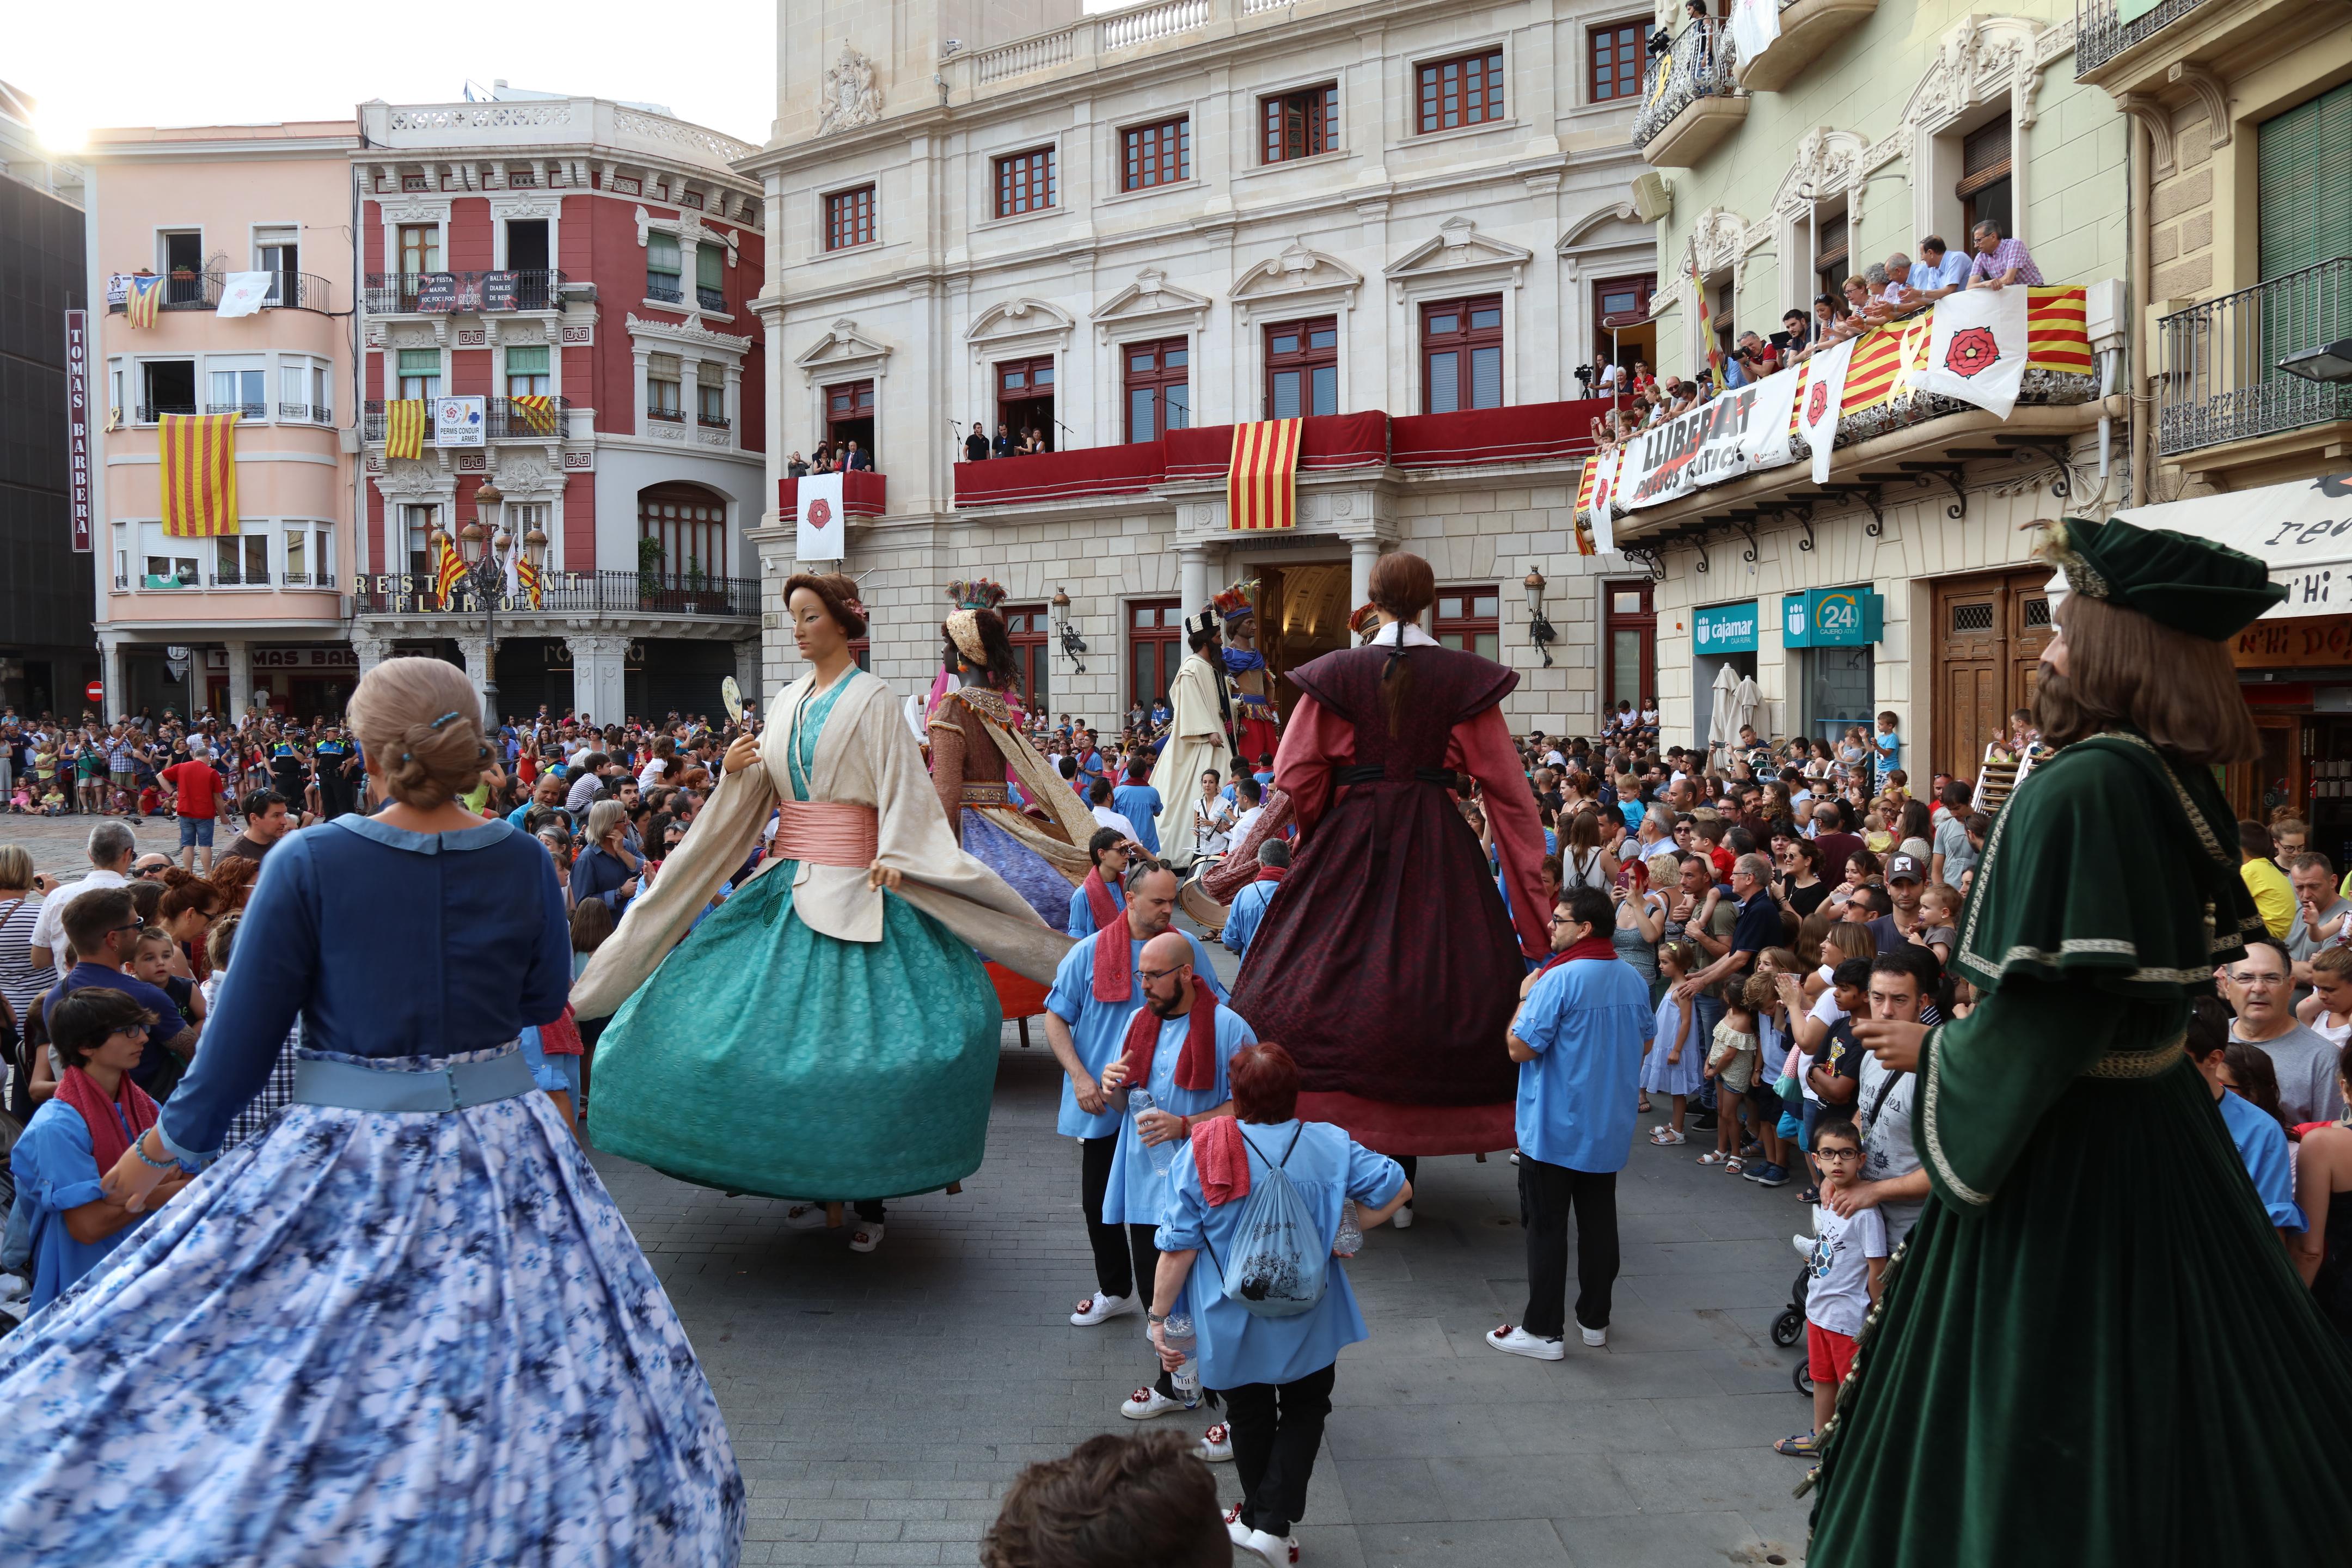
(681, 536)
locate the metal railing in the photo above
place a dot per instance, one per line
(373, 418)
(297, 290)
(152, 412)
(614, 593)
(236, 577)
(305, 414)
(202, 291)
(2101, 34)
(510, 421)
(665, 290)
(247, 410)
(1699, 64)
(2218, 378)
(452, 293)
(666, 416)
(711, 299)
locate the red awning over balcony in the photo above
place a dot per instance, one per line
(1129, 470)
(1526, 433)
(1333, 441)
(863, 494)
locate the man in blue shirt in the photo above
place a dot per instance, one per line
(1938, 272)
(1138, 801)
(104, 929)
(1249, 904)
(1577, 1040)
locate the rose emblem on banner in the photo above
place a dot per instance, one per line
(1971, 351)
(820, 512)
(1817, 401)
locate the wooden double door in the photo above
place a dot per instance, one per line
(1989, 631)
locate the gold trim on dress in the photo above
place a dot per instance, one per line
(984, 794)
(2139, 1064)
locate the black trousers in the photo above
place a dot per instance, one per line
(1276, 1428)
(1547, 1193)
(1114, 1270)
(1411, 1163)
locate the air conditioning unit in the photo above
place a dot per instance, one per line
(1654, 199)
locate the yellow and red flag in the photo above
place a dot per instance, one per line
(142, 300)
(1707, 334)
(404, 427)
(538, 413)
(1262, 483)
(199, 467)
(529, 577)
(447, 570)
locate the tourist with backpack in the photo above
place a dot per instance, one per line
(1257, 1204)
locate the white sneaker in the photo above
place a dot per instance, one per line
(1596, 1337)
(1217, 1446)
(805, 1216)
(1146, 1403)
(1518, 1341)
(1272, 1548)
(1804, 1246)
(1515, 1156)
(1403, 1218)
(1101, 1309)
(1235, 1529)
(865, 1236)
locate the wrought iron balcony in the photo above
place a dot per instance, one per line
(2101, 34)
(2220, 379)
(1700, 64)
(664, 290)
(202, 291)
(152, 412)
(712, 300)
(305, 414)
(511, 420)
(571, 593)
(463, 293)
(666, 416)
(374, 419)
(246, 410)
(237, 577)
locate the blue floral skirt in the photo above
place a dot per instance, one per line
(371, 1339)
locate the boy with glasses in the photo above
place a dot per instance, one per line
(1847, 1259)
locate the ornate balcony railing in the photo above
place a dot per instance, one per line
(569, 592)
(455, 293)
(374, 419)
(2218, 378)
(297, 290)
(665, 290)
(513, 421)
(1699, 64)
(2101, 34)
(712, 300)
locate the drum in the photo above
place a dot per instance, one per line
(1194, 900)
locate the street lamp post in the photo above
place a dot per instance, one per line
(487, 549)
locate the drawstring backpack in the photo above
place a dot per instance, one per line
(1281, 1262)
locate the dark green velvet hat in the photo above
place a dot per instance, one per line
(2191, 585)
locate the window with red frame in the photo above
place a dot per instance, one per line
(1471, 619)
(1024, 183)
(1158, 155)
(1462, 354)
(691, 523)
(1158, 388)
(1615, 53)
(1302, 368)
(1155, 647)
(1467, 91)
(1301, 124)
(1630, 673)
(1027, 626)
(849, 218)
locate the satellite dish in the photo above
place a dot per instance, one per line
(732, 696)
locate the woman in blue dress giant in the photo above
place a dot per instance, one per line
(828, 1032)
(404, 1325)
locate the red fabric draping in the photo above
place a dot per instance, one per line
(1126, 469)
(1329, 441)
(1395, 1130)
(1524, 433)
(1017, 995)
(863, 493)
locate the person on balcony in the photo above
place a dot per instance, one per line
(2000, 262)
(856, 459)
(975, 446)
(1006, 446)
(1938, 272)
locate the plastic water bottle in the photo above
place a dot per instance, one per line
(1351, 1239)
(1176, 1333)
(1162, 1156)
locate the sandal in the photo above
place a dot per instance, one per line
(1667, 1137)
(1713, 1157)
(1734, 1165)
(1646, 1107)
(1801, 1446)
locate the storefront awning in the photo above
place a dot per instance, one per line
(2303, 530)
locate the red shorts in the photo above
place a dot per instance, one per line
(1828, 1355)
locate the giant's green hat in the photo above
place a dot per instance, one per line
(2191, 585)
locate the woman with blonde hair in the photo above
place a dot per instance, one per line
(404, 1323)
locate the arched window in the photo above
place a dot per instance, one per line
(690, 524)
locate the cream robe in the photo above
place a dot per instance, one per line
(1196, 742)
(867, 757)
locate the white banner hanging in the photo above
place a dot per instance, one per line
(1976, 348)
(1824, 398)
(819, 534)
(243, 292)
(1733, 433)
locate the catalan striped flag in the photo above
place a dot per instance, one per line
(1705, 332)
(1870, 378)
(2057, 332)
(447, 570)
(530, 578)
(404, 427)
(199, 468)
(1262, 483)
(538, 413)
(143, 298)
(1584, 546)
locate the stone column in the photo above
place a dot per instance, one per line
(749, 675)
(599, 677)
(477, 652)
(118, 700)
(369, 651)
(1192, 577)
(240, 678)
(1362, 553)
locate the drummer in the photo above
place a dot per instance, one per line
(1212, 818)
(1098, 900)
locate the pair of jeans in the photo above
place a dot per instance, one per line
(1276, 1428)
(1546, 1194)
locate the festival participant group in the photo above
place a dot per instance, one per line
(301, 1180)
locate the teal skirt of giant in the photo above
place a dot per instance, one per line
(2114, 1365)
(764, 1056)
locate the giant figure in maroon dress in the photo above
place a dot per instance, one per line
(1386, 962)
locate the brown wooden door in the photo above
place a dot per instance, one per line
(1991, 630)
(2030, 633)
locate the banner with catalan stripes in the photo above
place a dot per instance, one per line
(528, 577)
(142, 300)
(538, 413)
(199, 470)
(404, 427)
(446, 568)
(1261, 481)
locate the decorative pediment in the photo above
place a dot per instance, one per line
(1721, 238)
(691, 229)
(691, 335)
(1827, 166)
(1592, 230)
(1019, 318)
(843, 348)
(1982, 58)
(1150, 299)
(1300, 277)
(1458, 251)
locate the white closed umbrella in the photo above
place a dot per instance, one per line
(1747, 706)
(1720, 725)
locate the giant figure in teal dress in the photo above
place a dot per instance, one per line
(817, 1035)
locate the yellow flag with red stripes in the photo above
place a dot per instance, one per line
(1262, 483)
(538, 413)
(528, 576)
(404, 427)
(447, 570)
(199, 471)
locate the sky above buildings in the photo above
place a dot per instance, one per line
(714, 65)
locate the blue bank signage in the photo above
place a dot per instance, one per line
(1724, 628)
(1832, 617)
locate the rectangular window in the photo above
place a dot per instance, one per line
(709, 286)
(1028, 626)
(1830, 252)
(1158, 154)
(301, 382)
(1301, 124)
(1633, 624)
(1158, 388)
(420, 248)
(297, 573)
(710, 403)
(322, 555)
(1155, 630)
(662, 389)
(182, 266)
(1302, 368)
(169, 387)
(1462, 354)
(1615, 53)
(420, 372)
(1471, 619)
(165, 562)
(1464, 91)
(242, 561)
(849, 218)
(1024, 183)
(1984, 185)
(322, 391)
(849, 417)
(662, 269)
(279, 252)
(237, 387)
(416, 523)
(526, 370)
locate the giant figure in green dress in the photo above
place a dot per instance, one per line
(2093, 1351)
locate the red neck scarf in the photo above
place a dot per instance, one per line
(1222, 1156)
(1114, 961)
(1100, 901)
(1590, 947)
(106, 1117)
(1196, 1067)
(1272, 873)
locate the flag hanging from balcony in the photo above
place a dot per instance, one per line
(1821, 399)
(1707, 333)
(527, 577)
(537, 414)
(199, 470)
(1261, 479)
(244, 293)
(1976, 352)
(1584, 546)
(142, 300)
(447, 570)
(404, 427)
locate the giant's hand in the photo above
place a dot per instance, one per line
(1896, 1045)
(742, 754)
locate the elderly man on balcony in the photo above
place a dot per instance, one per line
(1938, 272)
(2000, 262)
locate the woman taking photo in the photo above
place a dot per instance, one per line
(414, 1247)
(1642, 916)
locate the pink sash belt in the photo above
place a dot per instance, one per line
(828, 832)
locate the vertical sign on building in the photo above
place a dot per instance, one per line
(78, 424)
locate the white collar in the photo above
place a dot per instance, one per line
(1410, 631)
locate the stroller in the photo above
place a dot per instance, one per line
(1789, 1329)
